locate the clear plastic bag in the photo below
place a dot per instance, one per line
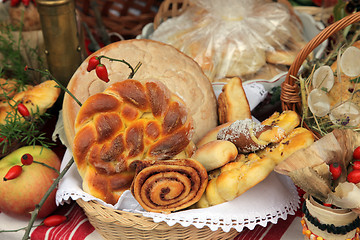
(251, 39)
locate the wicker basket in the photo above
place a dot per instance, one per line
(124, 17)
(115, 224)
(290, 91)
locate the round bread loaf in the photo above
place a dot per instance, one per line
(161, 62)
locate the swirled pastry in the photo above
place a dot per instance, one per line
(130, 120)
(169, 185)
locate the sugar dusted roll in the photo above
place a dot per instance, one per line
(169, 185)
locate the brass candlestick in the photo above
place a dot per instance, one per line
(63, 44)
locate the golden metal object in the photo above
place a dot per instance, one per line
(64, 48)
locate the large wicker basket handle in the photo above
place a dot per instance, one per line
(289, 90)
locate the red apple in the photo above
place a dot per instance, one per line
(19, 196)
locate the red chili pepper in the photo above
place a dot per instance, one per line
(335, 170)
(27, 159)
(93, 62)
(26, 2)
(23, 110)
(2, 139)
(356, 153)
(54, 220)
(102, 73)
(354, 176)
(13, 172)
(356, 165)
(14, 3)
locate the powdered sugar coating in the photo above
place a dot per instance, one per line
(239, 134)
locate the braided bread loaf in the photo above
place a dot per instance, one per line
(130, 120)
(250, 136)
(235, 178)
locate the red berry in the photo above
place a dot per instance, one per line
(356, 165)
(93, 62)
(54, 220)
(14, 3)
(27, 159)
(26, 2)
(354, 176)
(13, 172)
(335, 170)
(356, 153)
(2, 139)
(102, 73)
(23, 110)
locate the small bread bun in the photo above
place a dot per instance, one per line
(215, 154)
(211, 135)
(232, 102)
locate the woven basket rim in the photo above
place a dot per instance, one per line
(114, 224)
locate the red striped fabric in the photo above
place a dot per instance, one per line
(77, 227)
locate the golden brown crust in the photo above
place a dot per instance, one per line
(232, 102)
(130, 120)
(297, 139)
(160, 62)
(215, 154)
(169, 185)
(235, 179)
(211, 135)
(37, 99)
(250, 136)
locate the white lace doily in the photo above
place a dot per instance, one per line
(275, 197)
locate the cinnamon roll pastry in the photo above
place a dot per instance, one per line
(169, 185)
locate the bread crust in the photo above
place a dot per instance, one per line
(118, 126)
(161, 62)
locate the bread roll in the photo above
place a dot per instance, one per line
(211, 135)
(299, 138)
(236, 179)
(232, 102)
(251, 136)
(161, 62)
(215, 154)
(245, 135)
(37, 99)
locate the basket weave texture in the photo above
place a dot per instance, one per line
(125, 17)
(116, 224)
(290, 90)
